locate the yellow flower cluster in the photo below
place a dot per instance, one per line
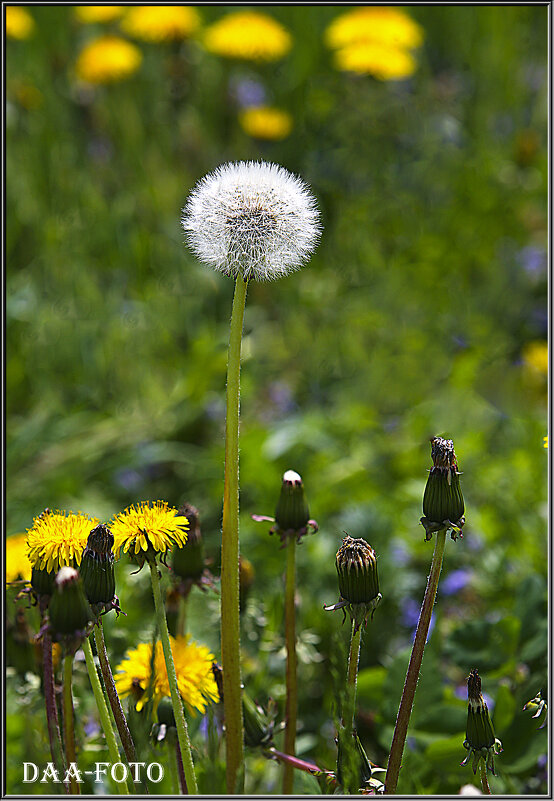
(375, 40)
(17, 562)
(266, 122)
(19, 23)
(193, 666)
(161, 23)
(248, 35)
(107, 59)
(57, 539)
(89, 15)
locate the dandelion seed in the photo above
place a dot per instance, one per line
(252, 219)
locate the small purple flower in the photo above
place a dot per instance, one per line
(533, 260)
(455, 581)
(248, 92)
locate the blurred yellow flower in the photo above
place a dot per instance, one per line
(382, 25)
(17, 563)
(248, 35)
(160, 23)
(385, 63)
(545, 442)
(266, 122)
(535, 355)
(92, 14)
(193, 666)
(19, 23)
(107, 59)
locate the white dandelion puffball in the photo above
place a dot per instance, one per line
(252, 219)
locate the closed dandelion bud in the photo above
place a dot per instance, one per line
(356, 565)
(258, 727)
(292, 512)
(480, 739)
(188, 559)
(42, 581)
(97, 566)
(69, 609)
(443, 502)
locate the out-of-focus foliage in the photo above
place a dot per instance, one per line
(423, 312)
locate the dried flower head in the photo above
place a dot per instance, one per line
(252, 219)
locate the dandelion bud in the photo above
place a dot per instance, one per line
(258, 727)
(42, 581)
(188, 559)
(97, 566)
(480, 740)
(292, 512)
(69, 609)
(443, 502)
(356, 565)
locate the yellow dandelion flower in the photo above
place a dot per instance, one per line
(160, 23)
(157, 524)
(265, 122)
(535, 355)
(385, 63)
(390, 27)
(19, 23)
(57, 539)
(90, 14)
(248, 35)
(193, 666)
(545, 442)
(17, 563)
(107, 59)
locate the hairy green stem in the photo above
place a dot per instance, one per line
(181, 723)
(54, 735)
(103, 712)
(68, 718)
(113, 698)
(230, 621)
(412, 675)
(484, 780)
(352, 676)
(292, 687)
(180, 770)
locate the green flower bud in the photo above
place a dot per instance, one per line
(356, 565)
(292, 513)
(443, 502)
(97, 566)
(188, 560)
(42, 581)
(480, 739)
(258, 727)
(69, 609)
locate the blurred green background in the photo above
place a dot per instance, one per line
(423, 312)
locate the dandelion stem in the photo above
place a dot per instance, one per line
(180, 770)
(68, 718)
(181, 723)
(484, 780)
(54, 735)
(113, 697)
(412, 675)
(352, 676)
(172, 751)
(292, 687)
(230, 621)
(103, 712)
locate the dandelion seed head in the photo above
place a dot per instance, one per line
(253, 219)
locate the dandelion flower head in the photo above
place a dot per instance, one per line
(545, 441)
(161, 23)
(107, 59)
(390, 27)
(384, 63)
(156, 524)
(266, 122)
(17, 562)
(535, 356)
(253, 219)
(57, 539)
(193, 666)
(248, 35)
(89, 15)
(19, 23)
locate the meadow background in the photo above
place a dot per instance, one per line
(423, 312)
